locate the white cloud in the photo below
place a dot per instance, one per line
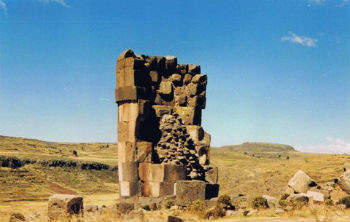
(316, 2)
(3, 5)
(61, 2)
(343, 3)
(332, 145)
(337, 3)
(302, 40)
(104, 99)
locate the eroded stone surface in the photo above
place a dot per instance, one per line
(160, 138)
(64, 205)
(344, 181)
(300, 182)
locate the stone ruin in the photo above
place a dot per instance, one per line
(162, 149)
(64, 205)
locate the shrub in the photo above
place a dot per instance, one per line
(197, 206)
(146, 207)
(15, 217)
(345, 201)
(224, 199)
(283, 203)
(260, 202)
(169, 204)
(215, 213)
(329, 202)
(285, 196)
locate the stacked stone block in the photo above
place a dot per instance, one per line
(160, 138)
(64, 205)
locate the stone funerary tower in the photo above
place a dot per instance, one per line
(162, 149)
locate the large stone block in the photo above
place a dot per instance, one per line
(176, 79)
(151, 62)
(161, 172)
(315, 197)
(136, 78)
(150, 172)
(128, 111)
(160, 64)
(200, 79)
(127, 131)
(180, 90)
(166, 100)
(212, 175)
(300, 182)
(127, 53)
(182, 68)
(131, 72)
(180, 100)
(165, 88)
(173, 173)
(133, 63)
(197, 101)
(188, 191)
(160, 110)
(187, 79)
(189, 115)
(127, 171)
(170, 63)
(194, 69)
(344, 182)
(206, 139)
(126, 152)
(129, 189)
(144, 151)
(155, 77)
(272, 202)
(157, 189)
(193, 89)
(63, 205)
(203, 159)
(131, 93)
(196, 133)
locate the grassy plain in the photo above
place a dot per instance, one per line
(252, 169)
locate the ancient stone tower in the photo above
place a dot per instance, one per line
(162, 149)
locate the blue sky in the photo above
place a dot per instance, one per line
(278, 70)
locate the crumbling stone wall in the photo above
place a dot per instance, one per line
(160, 138)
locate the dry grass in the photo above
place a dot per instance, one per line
(255, 173)
(258, 176)
(36, 149)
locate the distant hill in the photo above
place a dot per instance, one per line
(37, 149)
(261, 147)
(259, 150)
